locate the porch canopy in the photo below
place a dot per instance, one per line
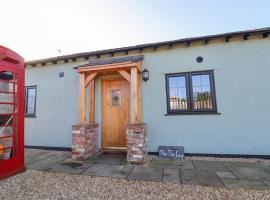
(129, 67)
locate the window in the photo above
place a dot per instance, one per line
(116, 98)
(30, 101)
(192, 92)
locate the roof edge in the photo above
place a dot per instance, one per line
(265, 31)
(113, 60)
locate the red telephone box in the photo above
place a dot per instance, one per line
(11, 113)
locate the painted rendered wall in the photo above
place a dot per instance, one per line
(241, 70)
(56, 106)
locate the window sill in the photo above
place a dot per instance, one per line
(30, 116)
(193, 113)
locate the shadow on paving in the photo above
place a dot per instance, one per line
(196, 172)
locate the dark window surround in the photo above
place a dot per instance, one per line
(188, 76)
(26, 101)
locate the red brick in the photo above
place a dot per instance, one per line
(84, 141)
(136, 143)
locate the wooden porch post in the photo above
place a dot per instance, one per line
(92, 102)
(82, 99)
(134, 95)
(139, 120)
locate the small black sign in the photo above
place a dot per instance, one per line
(171, 151)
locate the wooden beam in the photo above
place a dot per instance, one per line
(124, 74)
(266, 34)
(139, 65)
(92, 102)
(89, 78)
(228, 38)
(246, 36)
(139, 118)
(134, 95)
(82, 99)
(206, 41)
(107, 67)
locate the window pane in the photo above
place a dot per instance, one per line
(6, 97)
(6, 82)
(115, 97)
(5, 154)
(5, 131)
(7, 76)
(30, 101)
(6, 108)
(178, 93)
(202, 99)
(8, 111)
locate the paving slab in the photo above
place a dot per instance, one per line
(35, 153)
(47, 160)
(182, 164)
(209, 165)
(267, 183)
(60, 154)
(240, 164)
(69, 167)
(265, 168)
(117, 171)
(113, 155)
(200, 177)
(146, 173)
(28, 160)
(241, 183)
(250, 173)
(41, 165)
(205, 173)
(110, 159)
(171, 175)
(223, 174)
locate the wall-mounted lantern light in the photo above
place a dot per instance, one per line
(145, 75)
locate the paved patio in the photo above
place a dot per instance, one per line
(195, 172)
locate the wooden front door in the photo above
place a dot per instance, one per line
(115, 112)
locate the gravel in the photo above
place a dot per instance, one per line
(44, 185)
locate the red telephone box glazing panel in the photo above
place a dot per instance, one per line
(11, 113)
(8, 112)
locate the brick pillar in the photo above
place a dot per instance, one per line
(136, 143)
(84, 141)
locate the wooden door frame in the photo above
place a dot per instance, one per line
(128, 70)
(103, 80)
